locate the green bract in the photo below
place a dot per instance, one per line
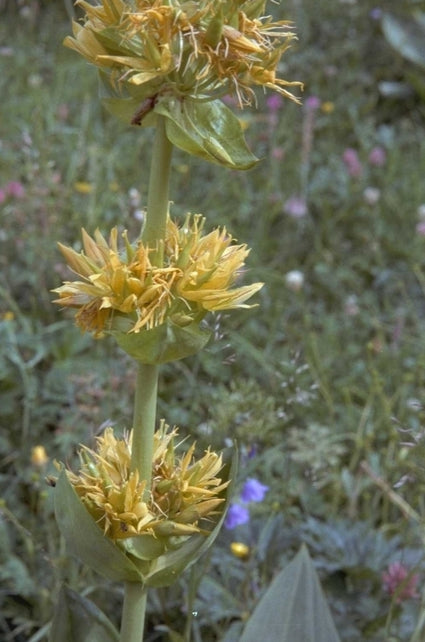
(166, 342)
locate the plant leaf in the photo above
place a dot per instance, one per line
(77, 618)
(293, 609)
(206, 129)
(84, 538)
(407, 36)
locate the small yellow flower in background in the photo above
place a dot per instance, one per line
(82, 187)
(197, 276)
(183, 48)
(39, 456)
(184, 491)
(327, 107)
(241, 550)
(8, 315)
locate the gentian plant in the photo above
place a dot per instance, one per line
(138, 511)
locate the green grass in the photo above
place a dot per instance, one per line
(317, 381)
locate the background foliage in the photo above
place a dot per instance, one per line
(322, 385)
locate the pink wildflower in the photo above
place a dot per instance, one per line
(399, 581)
(352, 162)
(274, 102)
(378, 157)
(15, 189)
(63, 112)
(278, 153)
(229, 100)
(296, 207)
(312, 103)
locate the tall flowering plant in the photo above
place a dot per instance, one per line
(139, 511)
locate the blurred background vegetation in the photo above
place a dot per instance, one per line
(322, 385)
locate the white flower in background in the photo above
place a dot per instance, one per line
(294, 280)
(371, 195)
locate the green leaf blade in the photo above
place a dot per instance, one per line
(407, 36)
(77, 618)
(84, 538)
(293, 609)
(208, 130)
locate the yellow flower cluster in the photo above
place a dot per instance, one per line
(203, 49)
(183, 491)
(196, 277)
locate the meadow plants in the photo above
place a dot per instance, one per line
(321, 385)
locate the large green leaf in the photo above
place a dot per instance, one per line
(85, 539)
(78, 619)
(293, 609)
(407, 36)
(166, 342)
(206, 129)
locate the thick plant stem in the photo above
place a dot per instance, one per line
(158, 199)
(133, 616)
(145, 401)
(144, 421)
(153, 235)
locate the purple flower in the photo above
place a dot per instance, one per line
(352, 162)
(229, 100)
(236, 516)
(378, 156)
(274, 102)
(312, 103)
(253, 491)
(295, 206)
(376, 13)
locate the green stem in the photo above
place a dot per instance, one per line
(144, 422)
(145, 400)
(158, 199)
(133, 615)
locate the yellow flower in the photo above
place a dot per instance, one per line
(39, 456)
(183, 48)
(328, 107)
(209, 266)
(197, 276)
(239, 549)
(115, 285)
(183, 492)
(82, 187)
